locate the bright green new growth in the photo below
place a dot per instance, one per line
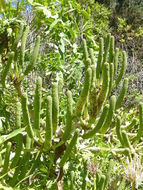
(111, 49)
(122, 71)
(49, 127)
(140, 130)
(100, 58)
(92, 56)
(69, 113)
(37, 103)
(84, 93)
(118, 131)
(122, 93)
(23, 44)
(55, 107)
(85, 50)
(26, 117)
(106, 49)
(7, 68)
(109, 115)
(104, 88)
(115, 60)
(99, 124)
(6, 160)
(33, 56)
(69, 148)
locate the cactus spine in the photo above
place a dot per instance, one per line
(7, 68)
(33, 56)
(26, 117)
(69, 148)
(122, 93)
(84, 93)
(49, 127)
(68, 127)
(55, 107)
(37, 103)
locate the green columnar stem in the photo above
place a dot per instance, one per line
(111, 49)
(111, 78)
(123, 67)
(99, 124)
(26, 117)
(106, 50)
(7, 68)
(33, 57)
(140, 130)
(69, 148)
(37, 103)
(92, 56)
(68, 127)
(49, 127)
(104, 88)
(122, 93)
(23, 45)
(100, 58)
(118, 131)
(6, 160)
(84, 93)
(115, 60)
(109, 115)
(85, 49)
(55, 107)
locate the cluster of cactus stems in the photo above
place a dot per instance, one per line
(93, 112)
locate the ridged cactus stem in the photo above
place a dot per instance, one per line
(108, 174)
(34, 57)
(7, 157)
(7, 68)
(26, 117)
(105, 87)
(100, 58)
(115, 60)
(18, 116)
(69, 113)
(49, 126)
(122, 93)
(110, 114)
(140, 130)
(87, 63)
(23, 45)
(55, 107)
(123, 67)
(69, 148)
(37, 103)
(84, 93)
(111, 49)
(118, 131)
(85, 174)
(99, 124)
(92, 56)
